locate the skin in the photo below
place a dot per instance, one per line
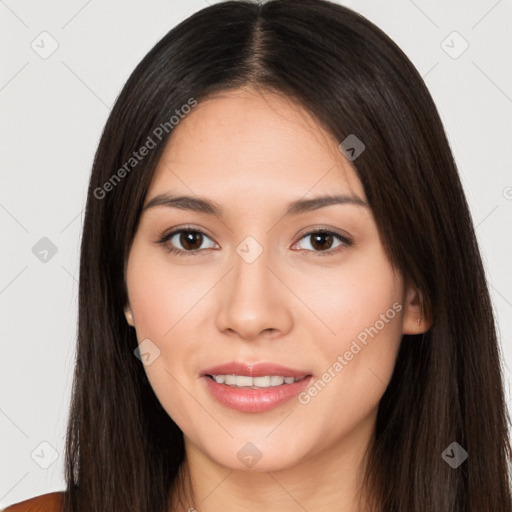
(253, 152)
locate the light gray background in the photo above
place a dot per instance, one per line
(53, 111)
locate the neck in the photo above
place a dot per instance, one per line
(325, 481)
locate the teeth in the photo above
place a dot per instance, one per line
(243, 381)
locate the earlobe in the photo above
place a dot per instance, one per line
(129, 316)
(415, 320)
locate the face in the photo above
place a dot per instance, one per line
(309, 289)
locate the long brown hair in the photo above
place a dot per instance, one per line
(123, 451)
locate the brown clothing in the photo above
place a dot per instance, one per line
(50, 502)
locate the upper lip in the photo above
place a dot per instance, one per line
(254, 370)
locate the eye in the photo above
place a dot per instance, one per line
(190, 239)
(322, 241)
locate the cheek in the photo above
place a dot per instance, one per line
(161, 296)
(346, 300)
(167, 309)
(340, 309)
(360, 308)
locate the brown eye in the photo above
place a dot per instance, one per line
(321, 242)
(185, 241)
(190, 240)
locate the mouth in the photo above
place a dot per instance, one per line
(263, 374)
(247, 382)
(258, 387)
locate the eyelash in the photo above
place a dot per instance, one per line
(178, 252)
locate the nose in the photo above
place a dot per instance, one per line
(253, 300)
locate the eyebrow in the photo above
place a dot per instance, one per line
(207, 206)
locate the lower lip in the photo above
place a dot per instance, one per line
(255, 400)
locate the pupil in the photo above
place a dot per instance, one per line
(188, 238)
(319, 236)
(191, 238)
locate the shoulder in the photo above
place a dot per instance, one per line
(50, 502)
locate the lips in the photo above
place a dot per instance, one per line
(255, 370)
(259, 398)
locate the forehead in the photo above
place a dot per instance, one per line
(252, 144)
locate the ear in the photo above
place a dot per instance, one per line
(129, 316)
(415, 320)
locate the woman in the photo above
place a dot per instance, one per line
(282, 303)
